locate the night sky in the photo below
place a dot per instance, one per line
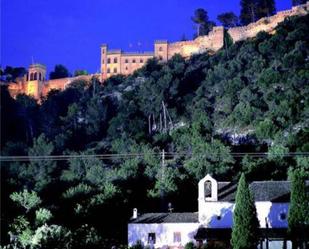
(70, 32)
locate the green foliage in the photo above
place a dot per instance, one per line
(204, 26)
(53, 236)
(42, 215)
(190, 245)
(39, 171)
(254, 90)
(59, 72)
(26, 199)
(138, 245)
(228, 19)
(245, 223)
(80, 72)
(298, 217)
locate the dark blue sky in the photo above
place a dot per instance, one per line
(70, 32)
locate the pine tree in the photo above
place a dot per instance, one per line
(265, 8)
(201, 19)
(248, 11)
(245, 231)
(298, 218)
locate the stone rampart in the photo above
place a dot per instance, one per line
(267, 24)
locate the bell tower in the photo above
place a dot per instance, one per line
(35, 78)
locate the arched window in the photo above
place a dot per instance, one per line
(133, 61)
(207, 189)
(31, 76)
(160, 49)
(141, 61)
(40, 76)
(115, 70)
(126, 61)
(108, 70)
(35, 76)
(115, 60)
(108, 60)
(27, 77)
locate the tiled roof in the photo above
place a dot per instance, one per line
(274, 191)
(166, 218)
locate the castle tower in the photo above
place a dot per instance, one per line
(35, 79)
(104, 61)
(161, 50)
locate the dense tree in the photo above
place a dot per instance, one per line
(251, 96)
(80, 72)
(204, 25)
(248, 11)
(10, 74)
(298, 218)
(266, 8)
(245, 231)
(228, 19)
(59, 72)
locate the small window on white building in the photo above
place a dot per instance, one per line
(282, 216)
(141, 61)
(108, 60)
(133, 61)
(207, 189)
(108, 70)
(115, 70)
(115, 60)
(177, 237)
(151, 238)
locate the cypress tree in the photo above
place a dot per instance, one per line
(298, 218)
(245, 231)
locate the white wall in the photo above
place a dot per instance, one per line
(209, 212)
(164, 233)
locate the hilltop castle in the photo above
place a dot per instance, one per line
(115, 62)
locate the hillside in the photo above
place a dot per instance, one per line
(250, 97)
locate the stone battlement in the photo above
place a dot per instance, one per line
(267, 24)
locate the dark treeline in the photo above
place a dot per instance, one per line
(252, 96)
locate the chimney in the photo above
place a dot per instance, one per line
(134, 213)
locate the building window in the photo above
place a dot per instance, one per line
(151, 238)
(115, 70)
(141, 61)
(177, 237)
(133, 61)
(282, 216)
(115, 60)
(207, 189)
(102, 61)
(160, 48)
(35, 77)
(108, 60)
(108, 70)
(31, 76)
(160, 58)
(126, 68)
(126, 61)
(40, 76)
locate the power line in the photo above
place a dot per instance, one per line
(134, 155)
